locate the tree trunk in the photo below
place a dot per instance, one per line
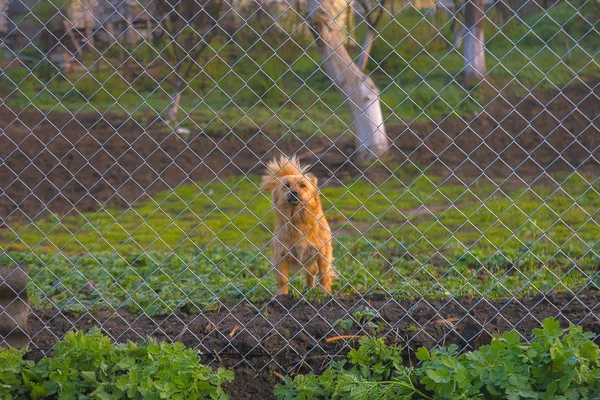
(129, 13)
(458, 30)
(4, 13)
(349, 23)
(359, 90)
(474, 51)
(69, 30)
(174, 105)
(130, 32)
(46, 46)
(363, 59)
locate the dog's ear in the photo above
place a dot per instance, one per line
(313, 179)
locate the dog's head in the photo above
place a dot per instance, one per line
(292, 190)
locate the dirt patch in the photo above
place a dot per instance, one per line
(64, 164)
(288, 335)
(514, 136)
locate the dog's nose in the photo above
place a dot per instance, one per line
(294, 193)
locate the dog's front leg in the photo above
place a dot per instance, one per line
(311, 272)
(325, 262)
(281, 272)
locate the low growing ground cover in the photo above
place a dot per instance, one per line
(414, 236)
(90, 367)
(556, 364)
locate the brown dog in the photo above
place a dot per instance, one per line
(302, 235)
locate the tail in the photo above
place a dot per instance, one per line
(278, 168)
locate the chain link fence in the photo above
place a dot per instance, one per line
(455, 144)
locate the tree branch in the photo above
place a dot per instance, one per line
(363, 59)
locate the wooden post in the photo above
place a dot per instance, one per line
(14, 306)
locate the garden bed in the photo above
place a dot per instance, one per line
(287, 336)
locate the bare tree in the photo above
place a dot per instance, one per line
(474, 51)
(458, 25)
(4, 22)
(187, 28)
(359, 90)
(47, 17)
(372, 14)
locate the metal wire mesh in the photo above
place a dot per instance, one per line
(456, 146)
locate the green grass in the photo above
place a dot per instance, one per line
(242, 87)
(187, 248)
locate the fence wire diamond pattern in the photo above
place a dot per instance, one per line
(455, 145)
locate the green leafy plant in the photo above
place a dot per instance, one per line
(344, 323)
(11, 379)
(375, 359)
(365, 314)
(78, 364)
(555, 365)
(373, 371)
(90, 366)
(362, 315)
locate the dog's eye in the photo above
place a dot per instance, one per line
(302, 185)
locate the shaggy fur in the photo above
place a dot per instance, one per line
(302, 235)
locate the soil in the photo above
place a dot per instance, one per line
(287, 335)
(67, 164)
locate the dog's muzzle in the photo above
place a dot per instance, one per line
(293, 198)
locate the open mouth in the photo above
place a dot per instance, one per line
(293, 201)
